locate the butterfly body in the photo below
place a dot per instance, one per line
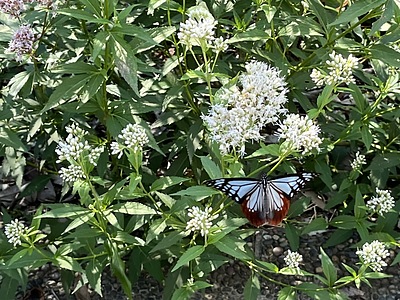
(263, 201)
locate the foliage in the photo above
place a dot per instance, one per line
(102, 65)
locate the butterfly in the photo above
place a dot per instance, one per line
(263, 201)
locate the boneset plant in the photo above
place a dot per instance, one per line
(134, 105)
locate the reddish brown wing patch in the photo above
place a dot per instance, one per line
(260, 218)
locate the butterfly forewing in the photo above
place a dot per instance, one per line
(236, 188)
(263, 201)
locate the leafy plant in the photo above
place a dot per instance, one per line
(135, 105)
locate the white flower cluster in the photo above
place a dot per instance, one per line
(299, 134)
(198, 30)
(200, 220)
(358, 161)
(374, 254)
(22, 41)
(75, 149)
(13, 231)
(247, 110)
(339, 70)
(72, 173)
(293, 259)
(382, 203)
(133, 136)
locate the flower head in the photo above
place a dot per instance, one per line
(198, 29)
(300, 134)
(22, 42)
(12, 7)
(200, 220)
(339, 70)
(72, 174)
(382, 203)
(242, 112)
(14, 230)
(293, 259)
(373, 254)
(74, 145)
(358, 161)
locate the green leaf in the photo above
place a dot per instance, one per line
(93, 273)
(132, 208)
(118, 268)
(37, 184)
(287, 293)
(210, 167)
(386, 54)
(68, 263)
(169, 240)
(83, 15)
(249, 35)
(68, 89)
(384, 161)
(265, 150)
(126, 238)
(166, 199)
(126, 62)
(315, 225)
(234, 248)
(328, 268)
(18, 81)
(359, 205)
(358, 96)
(11, 139)
(156, 228)
(355, 10)
(325, 97)
(198, 191)
(293, 236)
(366, 136)
(164, 182)
(8, 287)
(190, 254)
(252, 288)
(344, 222)
(78, 221)
(66, 211)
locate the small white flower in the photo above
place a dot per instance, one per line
(13, 231)
(71, 149)
(373, 254)
(22, 42)
(198, 29)
(293, 259)
(200, 220)
(71, 174)
(358, 161)
(300, 134)
(95, 154)
(382, 203)
(339, 70)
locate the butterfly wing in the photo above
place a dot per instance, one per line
(263, 201)
(236, 188)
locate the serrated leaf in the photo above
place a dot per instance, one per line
(210, 167)
(190, 254)
(132, 208)
(355, 10)
(167, 181)
(167, 241)
(231, 247)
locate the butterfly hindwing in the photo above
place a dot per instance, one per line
(263, 201)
